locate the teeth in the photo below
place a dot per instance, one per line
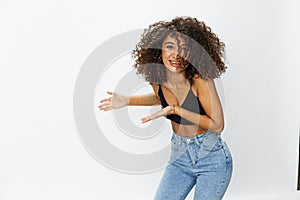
(175, 62)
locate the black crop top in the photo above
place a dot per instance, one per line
(190, 103)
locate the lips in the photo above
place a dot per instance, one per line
(175, 63)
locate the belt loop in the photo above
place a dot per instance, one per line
(188, 141)
(197, 141)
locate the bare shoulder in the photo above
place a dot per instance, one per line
(201, 85)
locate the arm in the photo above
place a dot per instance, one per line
(213, 120)
(150, 99)
(143, 100)
(118, 101)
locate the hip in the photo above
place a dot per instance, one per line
(202, 152)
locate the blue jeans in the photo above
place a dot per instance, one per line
(203, 160)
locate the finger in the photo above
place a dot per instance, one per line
(108, 109)
(146, 119)
(109, 92)
(103, 107)
(106, 99)
(105, 103)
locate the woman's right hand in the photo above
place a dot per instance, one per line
(114, 102)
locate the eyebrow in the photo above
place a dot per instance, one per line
(169, 43)
(174, 43)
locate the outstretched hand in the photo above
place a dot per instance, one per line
(114, 102)
(163, 112)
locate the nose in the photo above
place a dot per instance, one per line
(178, 54)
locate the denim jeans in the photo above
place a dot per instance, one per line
(203, 161)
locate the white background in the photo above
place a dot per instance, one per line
(43, 45)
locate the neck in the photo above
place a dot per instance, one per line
(175, 78)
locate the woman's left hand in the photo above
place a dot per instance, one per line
(163, 112)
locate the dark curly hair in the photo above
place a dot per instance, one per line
(206, 58)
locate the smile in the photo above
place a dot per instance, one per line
(175, 63)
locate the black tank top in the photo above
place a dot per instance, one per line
(190, 103)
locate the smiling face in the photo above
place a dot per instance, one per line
(174, 54)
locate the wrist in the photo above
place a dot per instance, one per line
(127, 101)
(172, 109)
(177, 110)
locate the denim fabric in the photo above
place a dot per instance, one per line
(203, 161)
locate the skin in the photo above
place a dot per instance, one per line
(175, 90)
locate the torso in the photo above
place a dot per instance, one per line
(180, 93)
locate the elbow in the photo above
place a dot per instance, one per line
(217, 127)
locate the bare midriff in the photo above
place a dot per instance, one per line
(187, 130)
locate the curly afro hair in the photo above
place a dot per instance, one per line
(206, 51)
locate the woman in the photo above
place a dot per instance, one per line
(180, 59)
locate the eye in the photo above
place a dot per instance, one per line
(184, 49)
(170, 47)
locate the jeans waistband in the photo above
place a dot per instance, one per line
(197, 138)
